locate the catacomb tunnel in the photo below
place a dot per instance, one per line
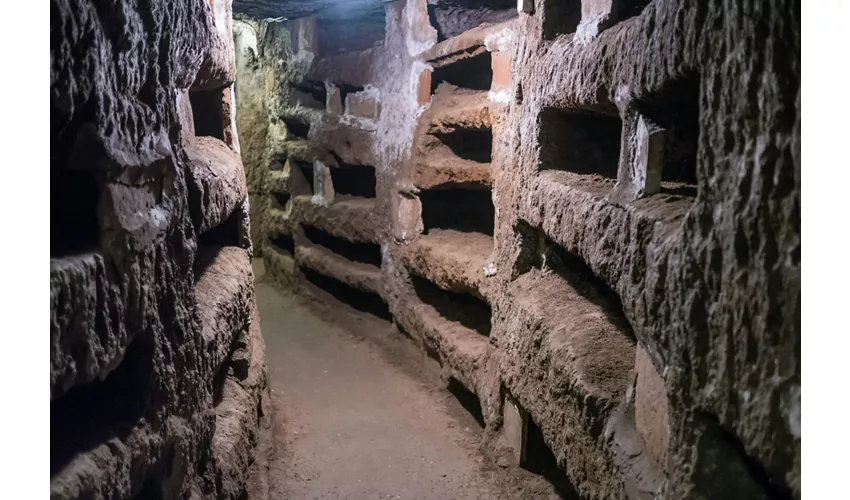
(424, 249)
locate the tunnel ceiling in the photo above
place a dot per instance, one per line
(301, 8)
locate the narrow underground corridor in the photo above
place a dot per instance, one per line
(424, 249)
(360, 415)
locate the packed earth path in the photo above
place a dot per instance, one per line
(350, 424)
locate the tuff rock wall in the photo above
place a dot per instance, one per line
(587, 213)
(157, 364)
(271, 59)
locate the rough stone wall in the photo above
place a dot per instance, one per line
(591, 210)
(271, 60)
(157, 369)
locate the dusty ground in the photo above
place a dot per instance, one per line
(355, 421)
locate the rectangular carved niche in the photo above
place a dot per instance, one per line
(310, 94)
(473, 72)
(580, 142)
(560, 17)
(297, 127)
(74, 226)
(538, 251)
(365, 253)
(283, 243)
(453, 18)
(207, 114)
(458, 208)
(468, 400)
(368, 302)
(228, 233)
(667, 136)
(564, 17)
(462, 308)
(469, 144)
(301, 174)
(353, 180)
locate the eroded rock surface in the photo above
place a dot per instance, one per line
(588, 208)
(157, 369)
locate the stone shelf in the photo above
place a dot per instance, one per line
(238, 387)
(462, 350)
(347, 217)
(454, 108)
(585, 368)
(442, 167)
(452, 260)
(115, 457)
(336, 140)
(223, 292)
(665, 207)
(454, 145)
(215, 181)
(592, 185)
(594, 351)
(354, 274)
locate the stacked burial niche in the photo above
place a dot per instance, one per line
(156, 358)
(542, 184)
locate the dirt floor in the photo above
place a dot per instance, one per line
(357, 421)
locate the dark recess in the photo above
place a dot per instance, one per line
(580, 142)
(535, 247)
(302, 177)
(467, 399)
(297, 126)
(74, 227)
(360, 300)
(470, 144)
(365, 253)
(353, 180)
(218, 382)
(452, 17)
(89, 415)
(467, 210)
(283, 243)
(152, 489)
(474, 73)
(630, 8)
(561, 17)
(315, 92)
(675, 108)
(279, 200)
(726, 456)
(206, 113)
(226, 234)
(541, 460)
(345, 89)
(276, 164)
(463, 308)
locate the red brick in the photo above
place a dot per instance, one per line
(423, 94)
(501, 64)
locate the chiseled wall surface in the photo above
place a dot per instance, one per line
(590, 207)
(157, 365)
